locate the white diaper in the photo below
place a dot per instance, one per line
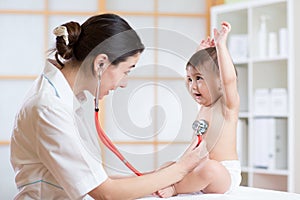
(234, 169)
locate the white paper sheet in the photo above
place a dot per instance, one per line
(242, 193)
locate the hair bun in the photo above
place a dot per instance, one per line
(66, 36)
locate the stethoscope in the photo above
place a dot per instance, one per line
(199, 127)
(103, 137)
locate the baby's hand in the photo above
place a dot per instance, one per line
(206, 44)
(221, 36)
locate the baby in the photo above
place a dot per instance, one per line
(212, 81)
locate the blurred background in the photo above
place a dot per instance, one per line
(150, 121)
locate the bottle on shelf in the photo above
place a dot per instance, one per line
(262, 37)
(272, 47)
(283, 41)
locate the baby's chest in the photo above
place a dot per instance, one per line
(214, 121)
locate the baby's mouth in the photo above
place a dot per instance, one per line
(197, 95)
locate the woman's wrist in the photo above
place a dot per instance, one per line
(182, 168)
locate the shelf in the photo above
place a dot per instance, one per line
(277, 172)
(280, 172)
(243, 115)
(270, 116)
(242, 7)
(269, 59)
(271, 171)
(245, 169)
(241, 61)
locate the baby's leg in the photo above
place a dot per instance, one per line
(212, 177)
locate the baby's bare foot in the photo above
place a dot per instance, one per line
(167, 192)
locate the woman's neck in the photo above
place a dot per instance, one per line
(70, 71)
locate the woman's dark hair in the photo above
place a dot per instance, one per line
(106, 33)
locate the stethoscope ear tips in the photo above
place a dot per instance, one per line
(200, 126)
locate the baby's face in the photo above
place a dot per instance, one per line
(203, 85)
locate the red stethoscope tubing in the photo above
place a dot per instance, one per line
(107, 142)
(199, 140)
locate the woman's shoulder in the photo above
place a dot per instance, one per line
(40, 102)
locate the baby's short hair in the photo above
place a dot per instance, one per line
(205, 58)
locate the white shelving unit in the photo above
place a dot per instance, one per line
(263, 72)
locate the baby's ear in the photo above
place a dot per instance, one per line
(219, 85)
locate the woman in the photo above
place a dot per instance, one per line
(47, 154)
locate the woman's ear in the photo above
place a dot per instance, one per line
(100, 63)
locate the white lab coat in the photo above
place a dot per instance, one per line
(47, 153)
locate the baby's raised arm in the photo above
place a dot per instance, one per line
(227, 71)
(206, 43)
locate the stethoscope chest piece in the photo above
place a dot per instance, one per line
(200, 126)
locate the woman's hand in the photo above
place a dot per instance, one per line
(193, 156)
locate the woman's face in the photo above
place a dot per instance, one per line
(115, 76)
(202, 85)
